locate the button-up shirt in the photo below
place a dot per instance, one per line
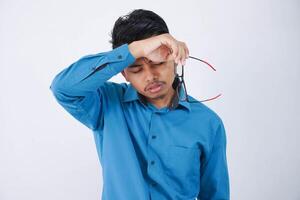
(145, 152)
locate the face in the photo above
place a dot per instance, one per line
(151, 79)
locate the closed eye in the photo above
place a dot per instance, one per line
(136, 70)
(160, 63)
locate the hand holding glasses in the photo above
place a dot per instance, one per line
(181, 82)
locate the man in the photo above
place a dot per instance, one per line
(151, 143)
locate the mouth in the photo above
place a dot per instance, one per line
(154, 88)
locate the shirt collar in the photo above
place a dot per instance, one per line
(131, 94)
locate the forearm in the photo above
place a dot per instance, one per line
(78, 87)
(90, 72)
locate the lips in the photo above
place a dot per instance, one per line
(155, 87)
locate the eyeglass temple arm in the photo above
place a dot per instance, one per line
(209, 99)
(203, 62)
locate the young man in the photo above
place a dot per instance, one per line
(151, 143)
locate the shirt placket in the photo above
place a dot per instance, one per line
(153, 145)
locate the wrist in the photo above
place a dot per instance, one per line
(135, 49)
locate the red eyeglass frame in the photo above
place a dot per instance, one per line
(183, 83)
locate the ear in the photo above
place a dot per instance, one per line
(125, 75)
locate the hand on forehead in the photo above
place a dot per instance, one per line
(160, 54)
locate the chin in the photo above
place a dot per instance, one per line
(158, 95)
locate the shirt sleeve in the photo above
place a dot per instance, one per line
(79, 87)
(214, 180)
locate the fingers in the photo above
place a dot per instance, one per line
(187, 52)
(179, 50)
(179, 58)
(173, 46)
(183, 53)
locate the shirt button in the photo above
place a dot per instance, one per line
(152, 162)
(119, 56)
(153, 136)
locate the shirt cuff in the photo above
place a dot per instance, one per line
(122, 55)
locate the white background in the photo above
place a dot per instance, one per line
(254, 45)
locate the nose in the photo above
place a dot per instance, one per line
(150, 74)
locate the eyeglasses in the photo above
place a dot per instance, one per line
(182, 83)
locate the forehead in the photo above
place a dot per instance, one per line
(139, 62)
(142, 59)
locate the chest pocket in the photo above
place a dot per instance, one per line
(183, 167)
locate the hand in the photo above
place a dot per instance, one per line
(160, 48)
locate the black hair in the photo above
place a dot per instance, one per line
(137, 25)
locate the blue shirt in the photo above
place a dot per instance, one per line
(145, 152)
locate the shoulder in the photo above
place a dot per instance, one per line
(113, 90)
(202, 111)
(109, 85)
(208, 120)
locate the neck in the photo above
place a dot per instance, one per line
(164, 100)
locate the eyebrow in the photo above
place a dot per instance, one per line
(140, 65)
